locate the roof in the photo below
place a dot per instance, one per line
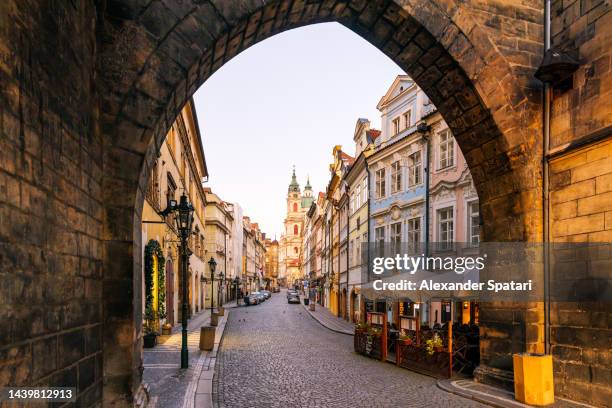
(348, 158)
(200, 149)
(389, 95)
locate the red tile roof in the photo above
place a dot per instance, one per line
(373, 133)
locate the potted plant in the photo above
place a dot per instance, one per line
(405, 339)
(434, 344)
(361, 327)
(150, 334)
(167, 329)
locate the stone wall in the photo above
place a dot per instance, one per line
(582, 108)
(581, 192)
(50, 198)
(581, 211)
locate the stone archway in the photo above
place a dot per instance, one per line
(490, 105)
(85, 112)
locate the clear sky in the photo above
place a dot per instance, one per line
(287, 101)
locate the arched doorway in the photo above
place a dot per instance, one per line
(170, 292)
(354, 307)
(415, 42)
(343, 305)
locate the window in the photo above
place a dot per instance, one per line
(396, 177)
(152, 194)
(295, 250)
(171, 189)
(364, 190)
(407, 119)
(445, 227)
(380, 183)
(380, 240)
(357, 251)
(396, 235)
(414, 169)
(473, 223)
(396, 125)
(295, 208)
(358, 198)
(414, 233)
(351, 252)
(446, 157)
(296, 230)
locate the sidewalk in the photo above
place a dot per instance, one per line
(327, 319)
(494, 396)
(170, 386)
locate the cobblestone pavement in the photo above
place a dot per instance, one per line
(276, 355)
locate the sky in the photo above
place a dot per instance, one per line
(287, 101)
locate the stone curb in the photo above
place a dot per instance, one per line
(505, 399)
(324, 325)
(447, 385)
(203, 393)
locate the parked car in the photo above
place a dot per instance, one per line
(293, 297)
(260, 296)
(291, 292)
(267, 294)
(251, 300)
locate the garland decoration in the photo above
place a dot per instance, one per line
(154, 255)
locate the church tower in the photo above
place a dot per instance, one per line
(307, 196)
(291, 241)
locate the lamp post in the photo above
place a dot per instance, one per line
(212, 264)
(203, 290)
(220, 283)
(184, 223)
(237, 284)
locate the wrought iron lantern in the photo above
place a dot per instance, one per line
(184, 220)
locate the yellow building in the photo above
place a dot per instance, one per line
(335, 191)
(219, 224)
(180, 167)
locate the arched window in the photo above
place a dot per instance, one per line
(295, 207)
(295, 229)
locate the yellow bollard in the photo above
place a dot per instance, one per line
(533, 379)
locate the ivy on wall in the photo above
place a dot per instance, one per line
(154, 258)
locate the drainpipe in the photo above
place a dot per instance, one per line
(369, 211)
(424, 129)
(545, 176)
(362, 316)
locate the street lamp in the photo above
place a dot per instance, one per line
(184, 222)
(237, 284)
(212, 264)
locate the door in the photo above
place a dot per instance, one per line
(169, 293)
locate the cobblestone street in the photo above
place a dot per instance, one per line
(277, 355)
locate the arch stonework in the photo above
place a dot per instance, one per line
(483, 90)
(84, 114)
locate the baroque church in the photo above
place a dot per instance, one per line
(290, 245)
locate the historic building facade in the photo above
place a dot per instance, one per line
(218, 244)
(180, 167)
(271, 264)
(358, 184)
